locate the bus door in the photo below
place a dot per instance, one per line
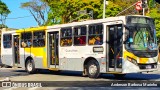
(53, 51)
(16, 54)
(115, 38)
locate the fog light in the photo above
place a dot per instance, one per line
(132, 60)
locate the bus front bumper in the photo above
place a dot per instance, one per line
(129, 67)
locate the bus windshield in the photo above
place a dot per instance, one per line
(141, 36)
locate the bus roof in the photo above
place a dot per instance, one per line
(108, 19)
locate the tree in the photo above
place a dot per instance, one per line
(155, 13)
(64, 11)
(151, 4)
(38, 9)
(4, 11)
(3, 26)
(127, 6)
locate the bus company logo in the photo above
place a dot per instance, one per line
(6, 84)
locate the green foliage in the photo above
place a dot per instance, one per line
(124, 4)
(112, 9)
(4, 11)
(64, 11)
(151, 3)
(155, 13)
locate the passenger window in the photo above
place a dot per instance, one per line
(80, 35)
(95, 34)
(26, 39)
(39, 39)
(66, 37)
(7, 40)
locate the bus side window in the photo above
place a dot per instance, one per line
(66, 37)
(29, 43)
(26, 39)
(7, 39)
(80, 35)
(92, 40)
(98, 40)
(69, 42)
(95, 34)
(23, 44)
(38, 39)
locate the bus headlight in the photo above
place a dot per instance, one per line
(132, 60)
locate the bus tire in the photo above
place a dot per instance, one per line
(93, 69)
(30, 66)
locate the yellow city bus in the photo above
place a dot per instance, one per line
(115, 45)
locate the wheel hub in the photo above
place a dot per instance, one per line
(92, 69)
(29, 66)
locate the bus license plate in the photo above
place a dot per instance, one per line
(148, 67)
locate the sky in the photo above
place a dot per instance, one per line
(16, 11)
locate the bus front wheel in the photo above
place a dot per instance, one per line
(30, 67)
(93, 69)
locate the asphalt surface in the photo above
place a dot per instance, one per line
(19, 74)
(14, 72)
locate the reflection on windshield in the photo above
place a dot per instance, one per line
(142, 38)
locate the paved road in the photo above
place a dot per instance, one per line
(18, 74)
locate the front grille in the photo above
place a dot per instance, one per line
(148, 66)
